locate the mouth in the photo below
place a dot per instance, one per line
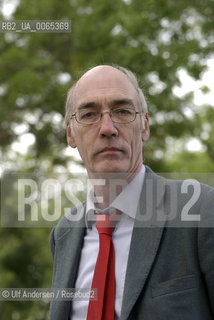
(109, 151)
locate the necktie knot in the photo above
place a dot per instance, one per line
(104, 224)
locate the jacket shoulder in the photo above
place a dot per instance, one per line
(73, 218)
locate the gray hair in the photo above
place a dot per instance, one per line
(132, 78)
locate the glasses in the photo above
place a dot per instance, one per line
(119, 115)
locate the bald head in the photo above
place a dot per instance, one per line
(103, 76)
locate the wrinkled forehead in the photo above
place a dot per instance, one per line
(103, 83)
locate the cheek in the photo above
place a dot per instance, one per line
(136, 138)
(136, 146)
(84, 151)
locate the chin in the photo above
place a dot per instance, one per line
(111, 168)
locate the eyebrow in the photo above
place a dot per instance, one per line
(122, 102)
(114, 103)
(87, 105)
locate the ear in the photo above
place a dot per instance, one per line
(145, 129)
(70, 135)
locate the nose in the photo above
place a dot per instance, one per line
(107, 126)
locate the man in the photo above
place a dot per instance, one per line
(162, 236)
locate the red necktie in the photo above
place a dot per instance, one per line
(104, 274)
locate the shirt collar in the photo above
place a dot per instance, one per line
(126, 201)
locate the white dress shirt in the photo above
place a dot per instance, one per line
(127, 203)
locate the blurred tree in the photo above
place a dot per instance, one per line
(156, 40)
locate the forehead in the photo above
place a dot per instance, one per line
(103, 83)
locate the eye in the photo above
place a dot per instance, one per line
(123, 112)
(88, 115)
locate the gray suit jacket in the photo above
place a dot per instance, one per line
(170, 272)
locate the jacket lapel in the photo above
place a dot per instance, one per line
(145, 241)
(68, 244)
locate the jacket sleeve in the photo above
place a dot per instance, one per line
(206, 244)
(52, 243)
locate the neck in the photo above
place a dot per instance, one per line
(107, 186)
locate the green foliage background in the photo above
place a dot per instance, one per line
(155, 39)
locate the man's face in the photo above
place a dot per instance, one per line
(107, 146)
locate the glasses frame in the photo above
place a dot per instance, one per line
(110, 115)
